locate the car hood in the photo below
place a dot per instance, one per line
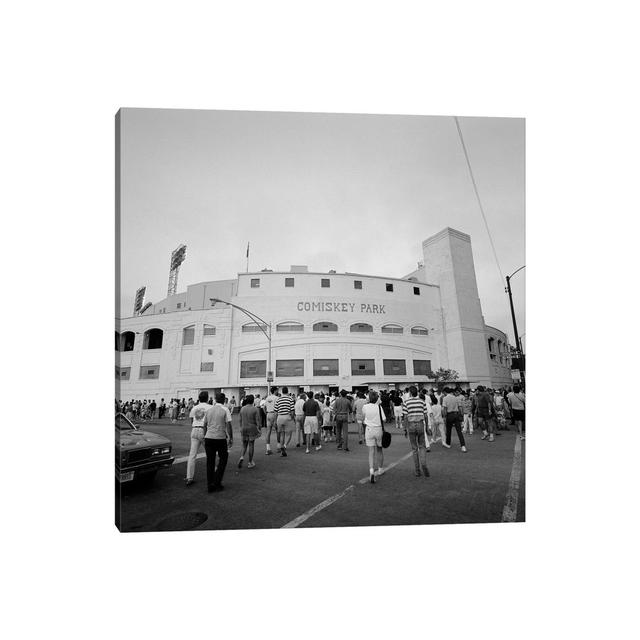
(133, 439)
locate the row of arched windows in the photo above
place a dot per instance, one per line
(358, 327)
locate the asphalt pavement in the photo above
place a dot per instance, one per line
(330, 487)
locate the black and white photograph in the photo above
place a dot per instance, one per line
(320, 320)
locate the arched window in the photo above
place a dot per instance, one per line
(419, 331)
(209, 330)
(290, 326)
(117, 341)
(392, 328)
(152, 339)
(188, 336)
(253, 328)
(325, 326)
(361, 327)
(127, 340)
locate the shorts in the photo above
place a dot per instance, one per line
(415, 426)
(250, 434)
(299, 421)
(397, 411)
(285, 424)
(271, 419)
(310, 425)
(518, 414)
(373, 436)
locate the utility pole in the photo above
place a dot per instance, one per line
(515, 326)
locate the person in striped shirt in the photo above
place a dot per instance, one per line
(413, 411)
(285, 425)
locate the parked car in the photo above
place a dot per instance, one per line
(139, 453)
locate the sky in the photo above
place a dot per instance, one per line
(354, 193)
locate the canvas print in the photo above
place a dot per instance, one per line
(319, 320)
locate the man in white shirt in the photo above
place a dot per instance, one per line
(299, 416)
(270, 408)
(196, 414)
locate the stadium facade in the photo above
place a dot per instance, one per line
(328, 331)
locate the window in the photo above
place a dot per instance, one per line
(419, 331)
(389, 286)
(325, 326)
(255, 283)
(289, 368)
(127, 340)
(150, 372)
(289, 326)
(188, 336)
(416, 291)
(252, 328)
(209, 352)
(325, 283)
(289, 282)
(361, 327)
(490, 341)
(253, 368)
(325, 367)
(206, 366)
(421, 367)
(357, 284)
(117, 341)
(394, 367)
(123, 373)
(179, 305)
(152, 339)
(392, 328)
(209, 330)
(363, 368)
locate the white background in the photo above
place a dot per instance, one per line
(570, 69)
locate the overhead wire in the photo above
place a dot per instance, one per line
(475, 189)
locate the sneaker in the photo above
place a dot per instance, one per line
(298, 444)
(188, 482)
(319, 447)
(470, 433)
(347, 449)
(283, 453)
(339, 446)
(372, 479)
(521, 437)
(463, 449)
(380, 471)
(269, 452)
(491, 438)
(444, 444)
(307, 451)
(425, 471)
(240, 463)
(417, 473)
(484, 436)
(251, 465)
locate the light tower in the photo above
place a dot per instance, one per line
(139, 300)
(177, 258)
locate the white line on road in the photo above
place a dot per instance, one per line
(185, 458)
(510, 510)
(329, 501)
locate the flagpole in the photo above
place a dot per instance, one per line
(247, 257)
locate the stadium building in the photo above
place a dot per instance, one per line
(328, 331)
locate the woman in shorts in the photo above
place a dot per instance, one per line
(373, 417)
(397, 409)
(249, 419)
(326, 420)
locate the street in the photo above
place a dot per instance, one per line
(328, 487)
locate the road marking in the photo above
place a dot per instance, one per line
(510, 510)
(185, 458)
(319, 507)
(329, 501)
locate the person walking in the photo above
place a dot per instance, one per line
(284, 422)
(359, 402)
(373, 418)
(467, 410)
(516, 400)
(217, 440)
(413, 411)
(299, 418)
(196, 414)
(452, 412)
(326, 420)
(341, 410)
(435, 409)
(484, 412)
(398, 410)
(270, 408)
(311, 410)
(249, 430)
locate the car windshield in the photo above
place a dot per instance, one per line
(123, 424)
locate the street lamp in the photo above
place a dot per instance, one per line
(513, 318)
(261, 324)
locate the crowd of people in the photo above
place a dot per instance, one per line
(316, 419)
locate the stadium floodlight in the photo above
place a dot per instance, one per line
(146, 306)
(177, 258)
(139, 300)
